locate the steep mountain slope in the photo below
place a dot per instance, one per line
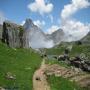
(36, 38)
(86, 39)
(57, 36)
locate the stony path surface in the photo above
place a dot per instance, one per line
(39, 78)
(82, 78)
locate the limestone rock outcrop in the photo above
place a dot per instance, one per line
(12, 34)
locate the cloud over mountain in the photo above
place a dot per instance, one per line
(39, 23)
(37, 38)
(72, 8)
(74, 29)
(52, 29)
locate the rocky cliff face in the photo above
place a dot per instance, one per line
(12, 34)
(27, 28)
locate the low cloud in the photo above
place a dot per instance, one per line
(52, 29)
(39, 23)
(75, 30)
(72, 8)
(2, 17)
(40, 6)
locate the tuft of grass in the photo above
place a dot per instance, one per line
(20, 62)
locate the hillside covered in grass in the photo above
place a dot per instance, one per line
(59, 83)
(75, 51)
(22, 63)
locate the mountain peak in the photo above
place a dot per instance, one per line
(28, 20)
(28, 23)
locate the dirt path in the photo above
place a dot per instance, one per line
(39, 78)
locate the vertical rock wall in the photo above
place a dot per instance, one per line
(12, 35)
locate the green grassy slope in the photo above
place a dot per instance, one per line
(20, 62)
(76, 50)
(59, 83)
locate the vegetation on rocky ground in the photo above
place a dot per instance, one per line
(60, 83)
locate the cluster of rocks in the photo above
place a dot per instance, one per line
(76, 61)
(10, 76)
(1, 88)
(80, 61)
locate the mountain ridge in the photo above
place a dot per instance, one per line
(30, 35)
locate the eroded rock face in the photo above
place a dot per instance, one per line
(12, 34)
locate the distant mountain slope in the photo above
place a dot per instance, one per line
(35, 37)
(86, 39)
(57, 36)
